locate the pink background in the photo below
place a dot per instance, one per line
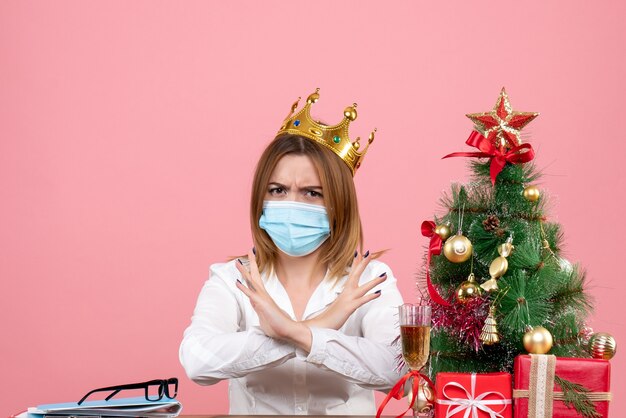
(129, 132)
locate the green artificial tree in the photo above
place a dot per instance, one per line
(514, 253)
(499, 287)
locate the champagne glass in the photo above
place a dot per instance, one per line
(415, 337)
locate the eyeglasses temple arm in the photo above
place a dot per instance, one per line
(116, 390)
(87, 395)
(112, 394)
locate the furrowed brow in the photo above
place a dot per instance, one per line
(276, 184)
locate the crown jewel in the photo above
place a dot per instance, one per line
(334, 137)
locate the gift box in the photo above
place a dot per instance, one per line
(536, 394)
(481, 395)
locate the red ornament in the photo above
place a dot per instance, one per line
(516, 155)
(503, 124)
(497, 135)
(434, 248)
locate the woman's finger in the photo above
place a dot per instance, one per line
(255, 276)
(244, 289)
(369, 297)
(245, 274)
(358, 266)
(372, 284)
(254, 269)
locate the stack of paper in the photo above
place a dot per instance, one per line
(122, 407)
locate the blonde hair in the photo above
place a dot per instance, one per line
(346, 234)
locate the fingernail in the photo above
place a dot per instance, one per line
(356, 253)
(378, 292)
(366, 254)
(253, 250)
(240, 262)
(382, 275)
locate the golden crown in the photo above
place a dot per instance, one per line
(334, 137)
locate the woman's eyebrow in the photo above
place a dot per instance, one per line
(282, 186)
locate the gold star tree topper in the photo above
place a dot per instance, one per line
(502, 125)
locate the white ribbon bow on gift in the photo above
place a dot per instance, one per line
(472, 403)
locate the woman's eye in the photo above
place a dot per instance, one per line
(313, 193)
(275, 191)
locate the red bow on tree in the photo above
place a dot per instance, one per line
(434, 248)
(516, 155)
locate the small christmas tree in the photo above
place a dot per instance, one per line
(496, 282)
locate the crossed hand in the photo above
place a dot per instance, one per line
(276, 323)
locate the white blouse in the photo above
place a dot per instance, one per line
(268, 376)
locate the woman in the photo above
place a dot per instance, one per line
(304, 324)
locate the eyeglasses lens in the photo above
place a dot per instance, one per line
(172, 388)
(154, 391)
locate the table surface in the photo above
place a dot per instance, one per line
(274, 416)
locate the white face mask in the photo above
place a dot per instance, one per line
(296, 228)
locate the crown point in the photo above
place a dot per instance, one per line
(294, 106)
(313, 97)
(371, 137)
(350, 112)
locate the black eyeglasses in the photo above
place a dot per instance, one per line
(154, 389)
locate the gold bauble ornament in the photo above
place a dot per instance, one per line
(602, 345)
(425, 401)
(443, 231)
(538, 340)
(458, 248)
(468, 290)
(531, 193)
